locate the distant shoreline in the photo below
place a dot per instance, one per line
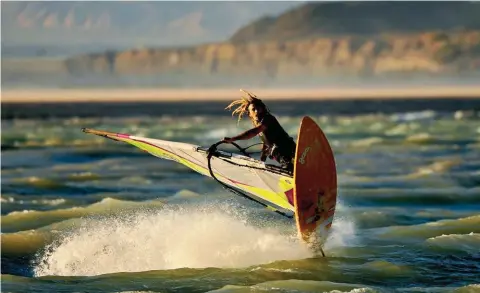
(225, 94)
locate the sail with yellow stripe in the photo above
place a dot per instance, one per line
(263, 183)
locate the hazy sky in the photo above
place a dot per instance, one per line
(122, 22)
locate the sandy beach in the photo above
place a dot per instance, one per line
(154, 94)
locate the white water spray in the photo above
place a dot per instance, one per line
(193, 237)
(189, 237)
(343, 232)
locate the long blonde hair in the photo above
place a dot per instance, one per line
(243, 104)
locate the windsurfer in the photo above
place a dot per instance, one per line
(277, 144)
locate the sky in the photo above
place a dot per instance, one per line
(130, 23)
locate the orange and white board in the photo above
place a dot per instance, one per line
(315, 176)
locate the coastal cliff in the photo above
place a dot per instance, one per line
(432, 53)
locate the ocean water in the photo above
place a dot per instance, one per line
(81, 213)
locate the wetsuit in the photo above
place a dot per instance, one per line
(280, 146)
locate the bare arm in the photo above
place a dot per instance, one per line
(251, 133)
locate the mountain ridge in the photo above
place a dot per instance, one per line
(361, 18)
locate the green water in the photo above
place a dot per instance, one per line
(84, 214)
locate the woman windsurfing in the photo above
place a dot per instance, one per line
(277, 144)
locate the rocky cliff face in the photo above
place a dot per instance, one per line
(432, 53)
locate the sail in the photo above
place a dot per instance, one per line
(235, 170)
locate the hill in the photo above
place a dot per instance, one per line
(331, 19)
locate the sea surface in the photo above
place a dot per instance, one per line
(81, 213)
